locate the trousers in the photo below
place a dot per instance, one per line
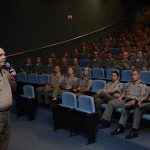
(101, 98)
(4, 130)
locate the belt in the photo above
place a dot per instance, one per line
(4, 110)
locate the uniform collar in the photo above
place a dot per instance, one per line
(117, 81)
(137, 82)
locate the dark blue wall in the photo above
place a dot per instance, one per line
(29, 24)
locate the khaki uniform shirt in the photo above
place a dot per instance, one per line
(84, 82)
(5, 91)
(115, 85)
(134, 90)
(55, 79)
(69, 82)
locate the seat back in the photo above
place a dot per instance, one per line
(114, 51)
(86, 104)
(33, 78)
(43, 78)
(98, 73)
(69, 100)
(109, 72)
(98, 85)
(126, 75)
(84, 62)
(28, 91)
(22, 77)
(145, 77)
(70, 62)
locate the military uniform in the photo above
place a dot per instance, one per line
(145, 107)
(96, 63)
(38, 68)
(55, 81)
(64, 68)
(5, 103)
(140, 64)
(85, 55)
(109, 63)
(76, 70)
(67, 85)
(132, 91)
(83, 83)
(104, 97)
(26, 68)
(49, 69)
(124, 65)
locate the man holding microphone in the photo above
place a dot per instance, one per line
(7, 85)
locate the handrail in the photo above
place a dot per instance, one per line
(69, 40)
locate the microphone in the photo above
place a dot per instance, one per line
(8, 67)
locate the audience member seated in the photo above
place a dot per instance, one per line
(49, 68)
(125, 64)
(119, 57)
(54, 59)
(133, 90)
(27, 67)
(146, 53)
(111, 91)
(139, 46)
(38, 67)
(84, 53)
(145, 40)
(139, 105)
(84, 84)
(76, 68)
(133, 53)
(127, 46)
(139, 62)
(63, 65)
(110, 62)
(55, 81)
(103, 54)
(68, 84)
(75, 54)
(66, 55)
(96, 62)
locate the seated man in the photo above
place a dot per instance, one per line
(84, 84)
(68, 84)
(27, 67)
(140, 107)
(125, 63)
(38, 67)
(76, 67)
(133, 90)
(139, 62)
(55, 81)
(49, 67)
(111, 91)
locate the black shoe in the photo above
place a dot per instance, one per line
(104, 125)
(132, 134)
(119, 130)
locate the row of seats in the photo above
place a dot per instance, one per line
(76, 111)
(95, 73)
(33, 78)
(28, 91)
(77, 114)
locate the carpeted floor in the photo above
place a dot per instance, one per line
(39, 135)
